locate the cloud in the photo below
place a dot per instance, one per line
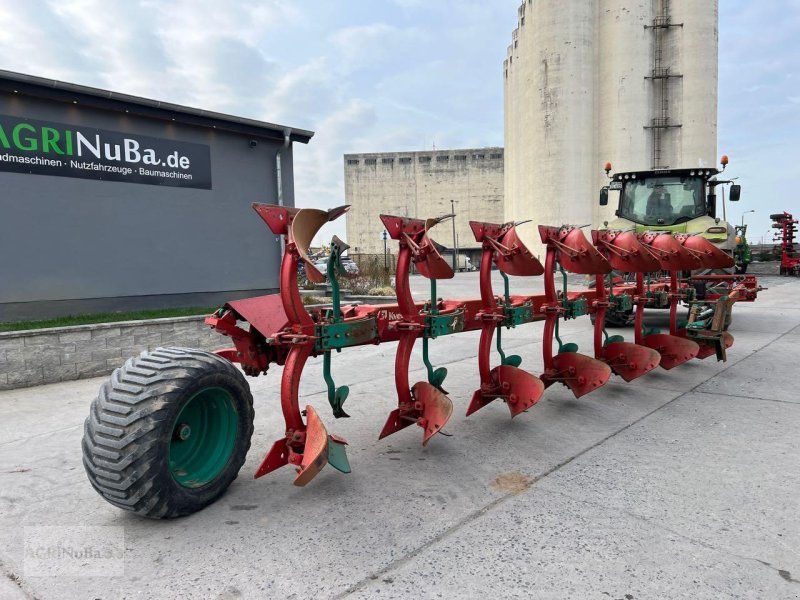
(372, 45)
(409, 3)
(37, 40)
(113, 38)
(302, 95)
(317, 175)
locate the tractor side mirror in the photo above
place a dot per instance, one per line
(604, 196)
(736, 191)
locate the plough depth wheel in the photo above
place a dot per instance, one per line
(168, 433)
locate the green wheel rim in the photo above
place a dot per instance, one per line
(203, 437)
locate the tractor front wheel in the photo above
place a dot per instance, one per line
(168, 433)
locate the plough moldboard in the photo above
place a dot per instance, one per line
(632, 272)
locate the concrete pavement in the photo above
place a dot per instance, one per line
(681, 484)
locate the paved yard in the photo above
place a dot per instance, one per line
(682, 484)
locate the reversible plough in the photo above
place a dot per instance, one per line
(631, 271)
(287, 334)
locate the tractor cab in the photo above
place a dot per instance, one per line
(674, 200)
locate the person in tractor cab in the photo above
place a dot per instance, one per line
(659, 204)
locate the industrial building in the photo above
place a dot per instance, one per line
(633, 83)
(423, 184)
(113, 202)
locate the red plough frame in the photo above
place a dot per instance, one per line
(647, 271)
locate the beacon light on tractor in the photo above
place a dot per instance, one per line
(168, 433)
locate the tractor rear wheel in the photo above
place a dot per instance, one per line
(168, 433)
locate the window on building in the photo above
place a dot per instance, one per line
(387, 161)
(405, 160)
(478, 156)
(495, 156)
(424, 159)
(370, 161)
(352, 161)
(442, 158)
(460, 157)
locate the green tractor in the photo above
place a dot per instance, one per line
(677, 201)
(741, 253)
(674, 200)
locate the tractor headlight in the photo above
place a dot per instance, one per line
(716, 230)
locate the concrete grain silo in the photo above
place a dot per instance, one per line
(590, 81)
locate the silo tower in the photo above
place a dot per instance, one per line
(590, 81)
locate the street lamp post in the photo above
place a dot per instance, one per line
(744, 213)
(453, 212)
(385, 235)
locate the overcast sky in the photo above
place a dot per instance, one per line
(371, 75)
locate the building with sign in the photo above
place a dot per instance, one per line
(113, 202)
(422, 184)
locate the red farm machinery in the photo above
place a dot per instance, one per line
(787, 226)
(170, 430)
